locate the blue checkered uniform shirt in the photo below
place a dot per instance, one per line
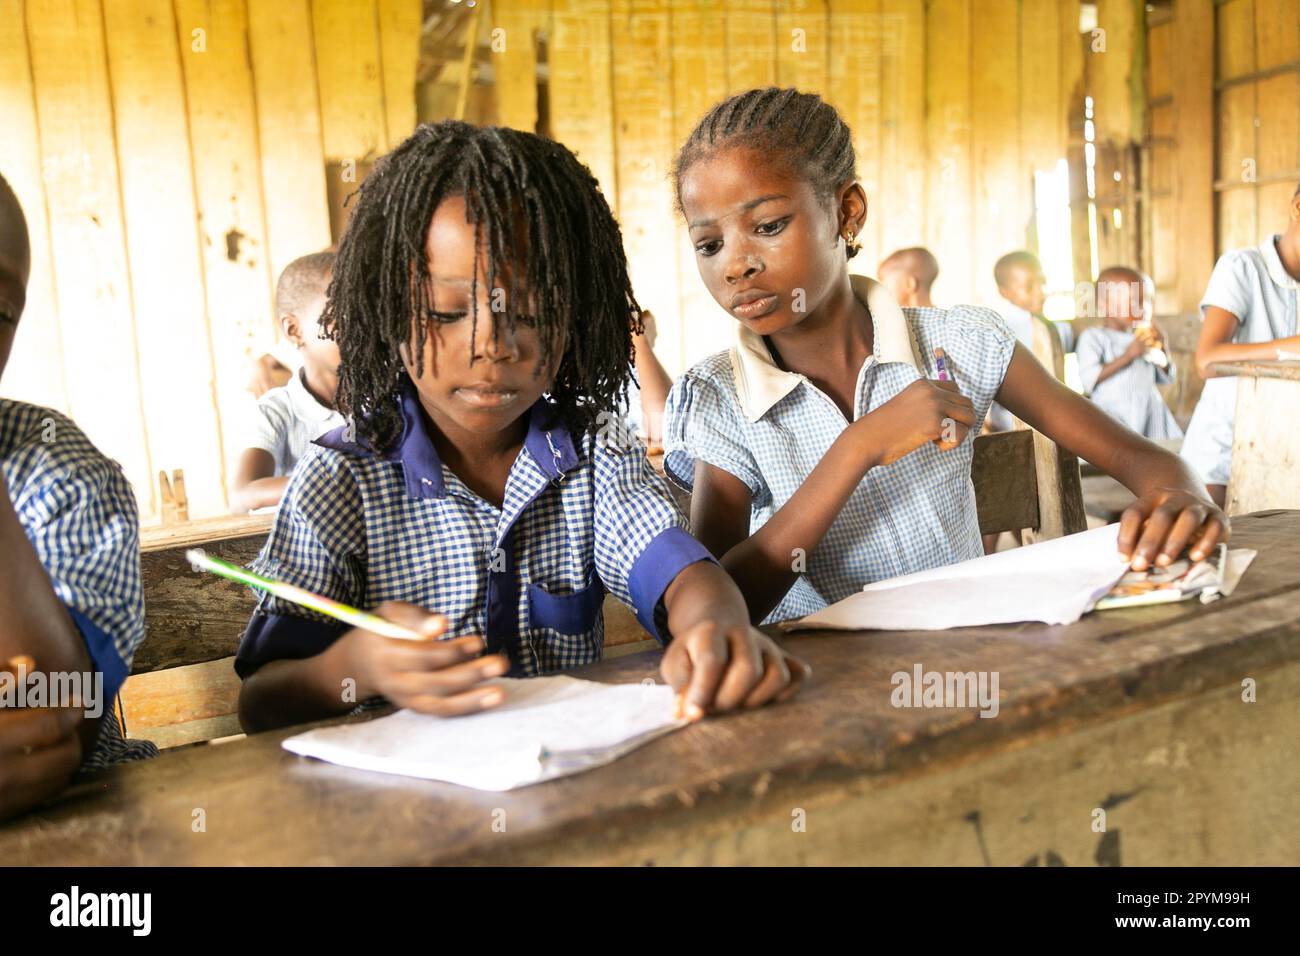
(914, 514)
(77, 510)
(579, 519)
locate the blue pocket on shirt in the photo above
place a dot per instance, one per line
(573, 613)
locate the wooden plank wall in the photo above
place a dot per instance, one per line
(950, 119)
(171, 157)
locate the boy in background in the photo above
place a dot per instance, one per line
(289, 418)
(71, 599)
(909, 275)
(1117, 362)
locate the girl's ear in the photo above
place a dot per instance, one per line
(852, 202)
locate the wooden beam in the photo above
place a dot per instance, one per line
(399, 45)
(282, 53)
(854, 88)
(514, 62)
(581, 87)
(948, 130)
(751, 44)
(802, 51)
(1193, 91)
(349, 76)
(901, 210)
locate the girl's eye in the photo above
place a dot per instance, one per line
(529, 321)
(708, 248)
(446, 318)
(772, 228)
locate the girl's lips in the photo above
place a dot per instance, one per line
(487, 397)
(757, 308)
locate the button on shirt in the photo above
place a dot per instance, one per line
(287, 420)
(1254, 286)
(740, 412)
(79, 514)
(578, 519)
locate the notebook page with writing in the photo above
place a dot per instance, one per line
(1055, 582)
(547, 727)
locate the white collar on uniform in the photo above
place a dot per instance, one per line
(760, 383)
(305, 405)
(1273, 263)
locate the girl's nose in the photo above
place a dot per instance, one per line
(496, 341)
(744, 266)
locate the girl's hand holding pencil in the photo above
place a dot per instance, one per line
(395, 651)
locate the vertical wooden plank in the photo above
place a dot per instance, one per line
(353, 124)
(1003, 196)
(1193, 90)
(802, 53)
(751, 44)
(399, 48)
(948, 129)
(1234, 38)
(228, 190)
(1042, 127)
(281, 49)
(514, 59)
(901, 207)
(35, 370)
(854, 89)
(79, 163)
(162, 243)
(643, 114)
(1116, 78)
(699, 81)
(581, 87)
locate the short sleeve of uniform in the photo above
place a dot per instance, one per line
(701, 424)
(980, 345)
(642, 541)
(79, 514)
(1092, 357)
(317, 543)
(1229, 286)
(267, 424)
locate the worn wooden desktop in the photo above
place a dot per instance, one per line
(1265, 439)
(1138, 713)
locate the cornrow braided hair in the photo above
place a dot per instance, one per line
(551, 243)
(801, 130)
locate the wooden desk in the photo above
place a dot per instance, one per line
(1136, 712)
(1265, 436)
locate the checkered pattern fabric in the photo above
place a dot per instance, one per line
(914, 514)
(531, 576)
(77, 510)
(1129, 396)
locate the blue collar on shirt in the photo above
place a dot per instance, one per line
(548, 441)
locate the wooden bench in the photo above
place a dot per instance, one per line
(1265, 438)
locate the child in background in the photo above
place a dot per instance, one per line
(70, 595)
(1250, 311)
(648, 392)
(909, 276)
(1021, 283)
(482, 300)
(1118, 373)
(823, 450)
(289, 418)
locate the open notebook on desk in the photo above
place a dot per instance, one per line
(547, 727)
(1055, 582)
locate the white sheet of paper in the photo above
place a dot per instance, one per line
(547, 727)
(1055, 582)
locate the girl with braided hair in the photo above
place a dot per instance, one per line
(484, 318)
(831, 445)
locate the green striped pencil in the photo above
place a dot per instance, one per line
(202, 561)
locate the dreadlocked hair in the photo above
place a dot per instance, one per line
(550, 241)
(801, 130)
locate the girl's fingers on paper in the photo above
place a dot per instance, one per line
(1130, 525)
(458, 704)
(1208, 537)
(1184, 527)
(1153, 535)
(707, 648)
(776, 677)
(745, 669)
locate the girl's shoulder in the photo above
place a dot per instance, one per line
(960, 326)
(714, 376)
